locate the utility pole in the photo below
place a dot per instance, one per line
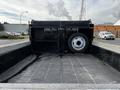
(83, 10)
(21, 14)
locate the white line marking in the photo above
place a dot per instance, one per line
(74, 70)
(91, 77)
(49, 65)
(12, 44)
(61, 69)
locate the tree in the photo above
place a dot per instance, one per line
(6, 23)
(1, 27)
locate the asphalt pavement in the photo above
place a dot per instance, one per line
(8, 42)
(112, 42)
(10, 45)
(71, 68)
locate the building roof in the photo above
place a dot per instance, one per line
(117, 23)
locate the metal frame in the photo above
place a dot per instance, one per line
(85, 27)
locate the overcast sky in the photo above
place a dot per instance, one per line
(99, 11)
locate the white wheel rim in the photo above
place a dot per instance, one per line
(78, 43)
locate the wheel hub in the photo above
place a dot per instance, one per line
(78, 43)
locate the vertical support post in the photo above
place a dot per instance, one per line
(61, 40)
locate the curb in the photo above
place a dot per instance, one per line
(106, 46)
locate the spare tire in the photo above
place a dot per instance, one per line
(78, 42)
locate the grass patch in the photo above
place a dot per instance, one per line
(11, 37)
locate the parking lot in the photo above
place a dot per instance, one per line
(113, 42)
(10, 42)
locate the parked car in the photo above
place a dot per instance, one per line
(106, 35)
(16, 34)
(4, 33)
(24, 33)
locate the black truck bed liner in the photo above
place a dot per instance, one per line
(71, 68)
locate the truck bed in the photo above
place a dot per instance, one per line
(70, 68)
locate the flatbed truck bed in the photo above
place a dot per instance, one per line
(70, 68)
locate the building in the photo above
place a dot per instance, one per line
(117, 23)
